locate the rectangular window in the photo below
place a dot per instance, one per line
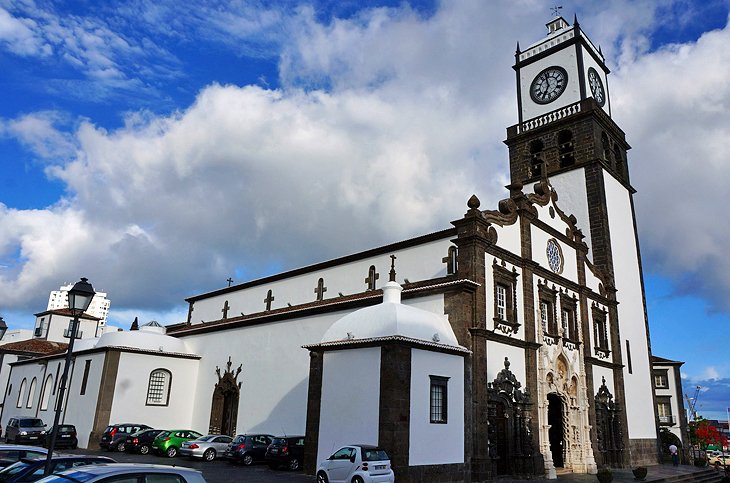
(87, 366)
(501, 302)
(544, 312)
(661, 379)
(439, 399)
(628, 356)
(664, 410)
(600, 329)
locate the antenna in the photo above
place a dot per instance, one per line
(555, 10)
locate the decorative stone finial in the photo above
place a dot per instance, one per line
(473, 202)
(135, 324)
(392, 268)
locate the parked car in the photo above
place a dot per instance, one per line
(248, 448)
(718, 460)
(10, 453)
(115, 435)
(206, 447)
(169, 442)
(286, 451)
(66, 437)
(25, 431)
(33, 469)
(141, 441)
(116, 472)
(356, 463)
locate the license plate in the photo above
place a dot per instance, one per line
(33, 437)
(65, 435)
(381, 467)
(274, 451)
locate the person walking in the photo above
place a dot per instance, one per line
(675, 454)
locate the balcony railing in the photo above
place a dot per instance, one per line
(667, 420)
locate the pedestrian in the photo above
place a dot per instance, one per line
(675, 455)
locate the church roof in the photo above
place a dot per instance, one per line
(34, 346)
(66, 312)
(392, 319)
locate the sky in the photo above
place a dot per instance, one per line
(161, 147)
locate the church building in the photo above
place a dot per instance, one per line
(516, 336)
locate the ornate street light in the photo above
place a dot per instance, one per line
(79, 299)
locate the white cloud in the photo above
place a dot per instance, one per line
(38, 131)
(406, 125)
(20, 36)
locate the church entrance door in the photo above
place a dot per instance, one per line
(224, 407)
(556, 433)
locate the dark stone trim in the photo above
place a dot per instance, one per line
(132, 350)
(386, 341)
(545, 53)
(580, 65)
(105, 399)
(594, 361)
(314, 404)
(451, 473)
(439, 235)
(395, 406)
(503, 339)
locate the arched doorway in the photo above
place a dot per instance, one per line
(556, 433)
(224, 407)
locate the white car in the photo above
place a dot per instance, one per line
(356, 463)
(117, 472)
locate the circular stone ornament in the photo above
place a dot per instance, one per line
(554, 256)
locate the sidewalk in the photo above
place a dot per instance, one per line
(660, 472)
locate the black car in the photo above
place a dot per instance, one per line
(66, 437)
(248, 448)
(115, 436)
(141, 441)
(10, 453)
(33, 469)
(286, 451)
(25, 431)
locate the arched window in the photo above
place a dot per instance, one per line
(158, 389)
(451, 261)
(31, 393)
(618, 159)
(21, 393)
(47, 389)
(565, 148)
(606, 147)
(536, 161)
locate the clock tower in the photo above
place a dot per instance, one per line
(565, 134)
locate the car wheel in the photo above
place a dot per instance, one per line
(322, 477)
(171, 452)
(121, 447)
(357, 479)
(247, 459)
(209, 454)
(144, 449)
(294, 464)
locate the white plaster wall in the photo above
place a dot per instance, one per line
(489, 260)
(130, 392)
(350, 399)
(422, 262)
(573, 199)
(632, 323)
(274, 377)
(564, 58)
(79, 409)
(423, 434)
(508, 237)
(7, 359)
(59, 323)
(19, 372)
(496, 353)
(589, 62)
(598, 373)
(676, 401)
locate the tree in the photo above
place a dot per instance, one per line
(704, 434)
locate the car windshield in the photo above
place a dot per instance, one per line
(31, 423)
(164, 434)
(66, 429)
(374, 454)
(68, 476)
(239, 439)
(7, 472)
(206, 438)
(279, 441)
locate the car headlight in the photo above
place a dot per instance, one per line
(24, 433)
(43, 432)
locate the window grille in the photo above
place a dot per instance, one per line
(158, 390)
(439, 399)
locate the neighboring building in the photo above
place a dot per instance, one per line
(670, 397)
(513, 341)
(58, 299)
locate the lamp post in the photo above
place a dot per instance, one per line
(3, 328)
(79, 299)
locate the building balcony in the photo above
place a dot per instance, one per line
(670, 420)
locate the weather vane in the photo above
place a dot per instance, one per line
(556, 10)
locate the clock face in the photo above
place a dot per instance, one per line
(548, 85)
(594, 80)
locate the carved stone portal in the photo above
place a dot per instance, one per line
(224, 409)
(510, 441)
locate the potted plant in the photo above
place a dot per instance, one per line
(605, 475)
(639, 473)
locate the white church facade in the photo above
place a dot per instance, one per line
(516, 337)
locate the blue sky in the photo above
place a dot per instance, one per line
(159, 149)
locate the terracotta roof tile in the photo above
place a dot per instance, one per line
(34, 346)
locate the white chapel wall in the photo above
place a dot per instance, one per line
(539, 238)
(423, 434)
(573, 200)
(350, 402)
(14, 407)
(600, 372)
(5, 361)
(421, 262)
(80, 409)
(130, 391)
(496, 352)
(565, 58)
(632, 325)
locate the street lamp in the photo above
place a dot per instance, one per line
(3, 328)
(79, 299)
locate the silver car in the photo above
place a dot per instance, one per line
(206, 447)
(103, 472)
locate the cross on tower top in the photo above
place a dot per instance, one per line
(225, 309)
(392, 268)
(320, 290)
(269, 298)
(229, 280)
